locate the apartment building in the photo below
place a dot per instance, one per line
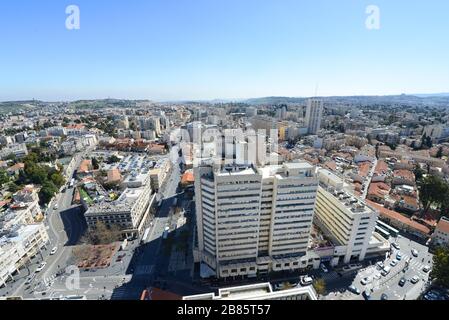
(129, 212)
(260, 291)
(17, 246)
(314, 115)
(254, 220)
(347, 220)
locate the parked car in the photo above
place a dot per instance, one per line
(384, 296)
(402, 282)
(41, 267)
(306, 281)
(365, 281)
(56, 207)
(396, 246)
(432, 295)
(354, 290)
(399, 256)
(415, 280)
(386, 271)
(415, 252)
(367, 295)
(323, 268)
(53, 251)
(394, 263)
(426, 269)
(380, 265)
(30, 279)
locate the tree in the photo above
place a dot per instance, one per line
(419, 173)
(440, 271)
(13, 187)
(47, 192)
(320, 286)
(102, 234)
(57, 179)
(440, 152)
(432, 191)
(113, 159)
(4, 177)
(95, 164)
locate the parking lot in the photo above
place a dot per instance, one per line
(371, 279)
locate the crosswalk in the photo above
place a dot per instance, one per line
(144, 270)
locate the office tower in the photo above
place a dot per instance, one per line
(252, 220)
(314, 115)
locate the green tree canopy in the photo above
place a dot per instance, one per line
(440, 271)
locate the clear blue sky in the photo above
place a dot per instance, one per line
(206, 49)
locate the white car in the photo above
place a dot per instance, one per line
(377, 276)
(426, 269)
(393, 263)
(414, 280)
(306, 281)
(415, 252)
(53, 251)
(323, 267)
(41, 267)
(56, 207)
(365, 281)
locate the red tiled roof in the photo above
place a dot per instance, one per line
(364, 168)
(381, 167)
(443, 225)
(399, 217)
(158, 294)
(405, 174)
(187, 178)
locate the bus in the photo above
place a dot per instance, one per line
(392, 231)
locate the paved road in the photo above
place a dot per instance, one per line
(389, 284)
(148, 260)
(64, 226)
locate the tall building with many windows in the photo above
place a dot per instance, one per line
(347, 220)
(252, 220)
(314, 114)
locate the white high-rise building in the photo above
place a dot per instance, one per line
(314, 115)
(347, 220)
(254, 220)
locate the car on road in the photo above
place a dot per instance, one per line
(426, 269)
(367, 295)
(354, 290)
(56, 207)
(402, 282)
(323, 268)
(53, 251)
(306, 281)
(30, 279)
(393, 263)
(41, 267)
(414, 280)
(399, 256)
(384, 296)
(396, 246)
(365, 281)
(415, 252)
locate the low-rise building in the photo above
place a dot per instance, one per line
(441, 234)
(261, 291)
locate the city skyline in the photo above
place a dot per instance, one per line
(202, 50)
